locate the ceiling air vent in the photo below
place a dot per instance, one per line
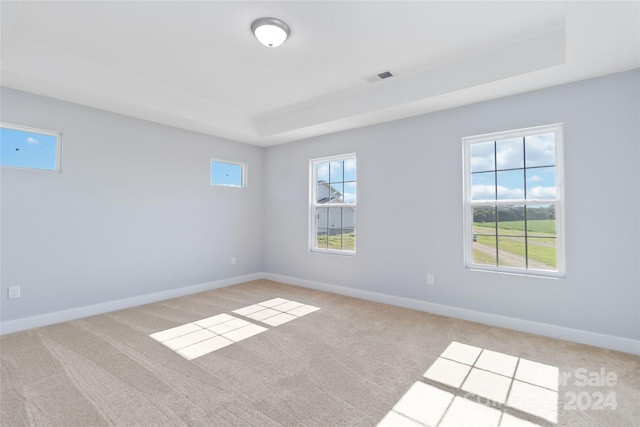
(385, 75)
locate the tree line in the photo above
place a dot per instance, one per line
(513, 213)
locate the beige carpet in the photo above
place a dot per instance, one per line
(348, 364)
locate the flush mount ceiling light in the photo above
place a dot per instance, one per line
(271, 32)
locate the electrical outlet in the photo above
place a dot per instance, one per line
(14, 292)
(431, 279)
(233, 260)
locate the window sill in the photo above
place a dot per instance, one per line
(329, 252)
(538, 274)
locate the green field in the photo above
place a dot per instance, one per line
(540, 248)
(544, 226)
(346, 241)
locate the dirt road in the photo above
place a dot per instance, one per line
(509, 259)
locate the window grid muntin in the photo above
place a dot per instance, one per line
(331, 203)
(556, 202)
(524, 167)
(527, 234)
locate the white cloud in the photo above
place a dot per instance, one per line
(510, 193)
(350, 165)
(541, 150)
(541, 192)
(32, 140)
(482, 163)
(535, 178)
(323, 171)
(482, 156)
(336, 170)
(482, 192)
(509, 154)
(487, 192)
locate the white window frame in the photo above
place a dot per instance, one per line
(242, 165)
(313, 178)
(57, 135)
(558, 202)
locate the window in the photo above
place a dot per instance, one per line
(29, 148)
(513, 201)
(333, 204)
(228, 174)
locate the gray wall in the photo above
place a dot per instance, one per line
(131, 213)
(416, 163)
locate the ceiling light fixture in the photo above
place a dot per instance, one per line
(271, 32)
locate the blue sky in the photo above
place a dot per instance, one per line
(227, 174)
(26, 149)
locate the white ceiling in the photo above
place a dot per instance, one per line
(196, 65)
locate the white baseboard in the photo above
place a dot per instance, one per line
(91, 310)
(575, 335)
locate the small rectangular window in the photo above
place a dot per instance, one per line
(514, 201)
(333, 205)
(29, 148)
(228, 174)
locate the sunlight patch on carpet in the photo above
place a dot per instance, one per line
(276, 311)
(204, 336)
(469, 385)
